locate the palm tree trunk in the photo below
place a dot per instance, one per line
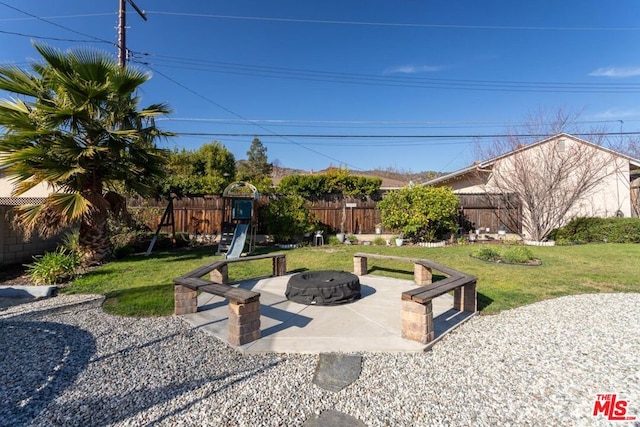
(94, 242)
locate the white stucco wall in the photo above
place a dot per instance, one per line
(468, 184)
(6, 189)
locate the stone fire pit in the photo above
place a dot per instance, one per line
(327, 287)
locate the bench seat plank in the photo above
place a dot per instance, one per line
(449, 282)
(429, 292)
(191, 282)
(201, 271)
(241, 296)
(255, 257)
(427, 263)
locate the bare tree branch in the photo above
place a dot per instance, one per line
(545, 182)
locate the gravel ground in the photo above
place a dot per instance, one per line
(63, 361)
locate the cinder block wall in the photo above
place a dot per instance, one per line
(14, 249)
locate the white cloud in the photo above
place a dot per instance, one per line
(616, 114)
(413, 69)
(616, 72)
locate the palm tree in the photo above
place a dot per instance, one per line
(75, 125)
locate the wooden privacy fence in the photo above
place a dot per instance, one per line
(193, 215)
(204, 215)
(480, 211)
(360, 216)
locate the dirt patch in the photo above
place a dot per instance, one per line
(14, 275)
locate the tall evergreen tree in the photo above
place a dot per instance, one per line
(256, 169)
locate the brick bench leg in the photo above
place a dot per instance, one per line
(422, 274)
(186, 300)
(244, 322)
(465, 298)
(417, 321)
(359, 266)
(220, 275)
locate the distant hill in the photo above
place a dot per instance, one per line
(391, 178)
(404, 176)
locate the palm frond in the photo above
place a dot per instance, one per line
(15, 80)
(71, 206)
(27, 218)
(42, 219)
(54, 58)
(15, 115)
(155, 110)
(23, 186)
(127, 80)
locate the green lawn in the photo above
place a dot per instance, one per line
(142, 286)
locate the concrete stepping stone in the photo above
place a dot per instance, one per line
(333, 418)
(336, 371)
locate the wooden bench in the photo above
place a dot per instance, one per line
(417, 307)
(244, 304)
(422, 274)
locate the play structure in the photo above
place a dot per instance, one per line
(238, 219)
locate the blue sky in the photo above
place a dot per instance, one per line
(367, 68)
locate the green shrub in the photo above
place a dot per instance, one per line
(54, 267)
(352, 239)
(379, 241)
(71, 241)
(420, 213)
(288, 218)
(333, 181)
(487, 254)
(591, 230)
(333, 240)
(517, 254)
(510, 254)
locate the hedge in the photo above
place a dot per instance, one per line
(591, 230)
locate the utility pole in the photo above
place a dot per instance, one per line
(122, 29)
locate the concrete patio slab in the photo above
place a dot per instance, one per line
(371, 323)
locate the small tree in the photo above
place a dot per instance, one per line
(420, 213)
(288, 218)
(543, 185)
(207, 170)
(333, 181)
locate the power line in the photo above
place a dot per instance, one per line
(387, 80)
(409, 84)
(395, 24)
(86, 15)
(51, 38)
(378, 124)
(270, 133)
(55, 24)
(389, 136)
(233, 65)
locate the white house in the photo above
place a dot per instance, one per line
(553, 180)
